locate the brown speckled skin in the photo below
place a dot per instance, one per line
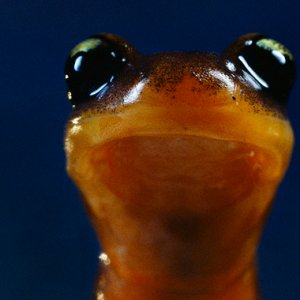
(178, 163)
(165, 71)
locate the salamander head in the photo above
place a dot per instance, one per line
(178, 125)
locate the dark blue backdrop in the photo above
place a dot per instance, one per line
(47, 248)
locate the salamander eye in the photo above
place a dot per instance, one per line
(266, 63)
(93, 64)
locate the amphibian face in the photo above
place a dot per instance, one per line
(178, 156)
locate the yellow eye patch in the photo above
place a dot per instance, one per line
(272, 45)
(85, 46)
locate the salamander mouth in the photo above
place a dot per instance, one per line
(154, 170)
(153, 155)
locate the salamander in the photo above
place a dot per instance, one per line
(177, 157)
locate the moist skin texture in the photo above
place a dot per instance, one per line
(178, 163)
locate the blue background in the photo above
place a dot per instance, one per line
(47, 247)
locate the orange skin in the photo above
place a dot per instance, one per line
(178, 168)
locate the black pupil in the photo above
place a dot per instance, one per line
(274, 70)
(91, 67)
